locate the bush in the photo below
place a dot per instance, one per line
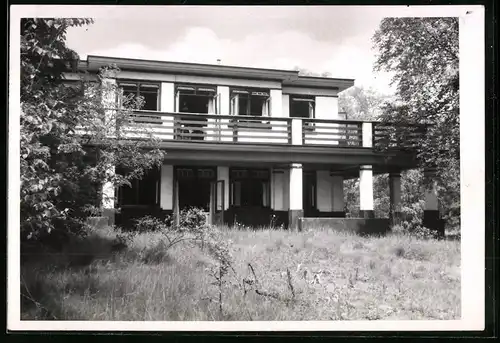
(150, 224)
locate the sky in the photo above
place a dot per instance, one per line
(334, 39)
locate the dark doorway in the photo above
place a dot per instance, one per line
(194, 186)
(309, 193)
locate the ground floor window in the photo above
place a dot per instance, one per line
(250, 187)
(143, 192)
(194, 186)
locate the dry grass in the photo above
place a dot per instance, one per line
(330, 276)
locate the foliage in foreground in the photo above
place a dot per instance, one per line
(69, 136)
(244, 275)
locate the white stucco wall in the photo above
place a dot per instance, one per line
(276, 103)
(167, 97)
(286, 105)
(208, 80)
(166, 187)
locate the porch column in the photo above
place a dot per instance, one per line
(296, 211)
(394, 197)
(432, 218)
(366, 192)
(167, 187)
(108, 198)
(338, 195)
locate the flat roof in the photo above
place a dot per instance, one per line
(289, 78)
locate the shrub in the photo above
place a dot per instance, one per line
(149, 224)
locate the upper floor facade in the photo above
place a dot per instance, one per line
(198, 107)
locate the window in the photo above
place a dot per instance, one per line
(250, 188)
(148, 91)
(196, 99)
(250, 102)
(301, 107)
(143, 192)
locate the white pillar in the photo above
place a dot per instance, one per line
(296, 211)
(167, 104)
(167, 187)
(286, 105)
(367, 130)
(297, 131)
(295, 186)
(109, 92)
(366, 190)
(108, 197)
(224, 100)
(223, 174)
(108, 191)
(276, 103)
(337, 193)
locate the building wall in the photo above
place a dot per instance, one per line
(211, 80)
(167, 97)
(286, 105)
(310, 91)
(276, 103)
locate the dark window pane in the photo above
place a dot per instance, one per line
(256, 106)
(242, 106)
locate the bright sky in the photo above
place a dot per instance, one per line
(335, 39)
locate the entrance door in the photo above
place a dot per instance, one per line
(217, 202)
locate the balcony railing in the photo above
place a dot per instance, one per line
(233, 129)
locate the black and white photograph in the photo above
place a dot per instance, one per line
(278, 168)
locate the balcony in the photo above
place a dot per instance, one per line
(231, 129)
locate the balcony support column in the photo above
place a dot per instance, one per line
(432, 219)
(108, 197)
(296, 211)
(366, 192)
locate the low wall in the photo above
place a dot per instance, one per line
(362, 226)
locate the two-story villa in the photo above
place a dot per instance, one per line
(253, 145)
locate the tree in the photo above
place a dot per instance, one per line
(422, 55)
(69, 138)
(359, 103)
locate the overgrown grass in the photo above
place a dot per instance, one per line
(277, 275)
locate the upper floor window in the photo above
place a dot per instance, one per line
(301, 106)
(150, 93)
(196, 99)
(250, 102)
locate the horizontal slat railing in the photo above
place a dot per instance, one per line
(400, 136)
(211, 127)
(332, 132)
(270, 130)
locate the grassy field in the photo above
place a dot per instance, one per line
(275, 275)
